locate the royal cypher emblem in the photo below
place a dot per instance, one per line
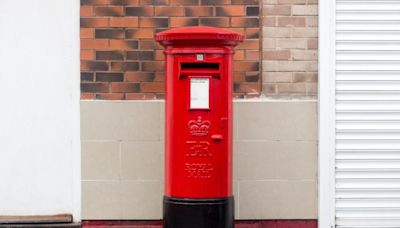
(199, 127)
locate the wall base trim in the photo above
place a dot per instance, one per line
(295, 223)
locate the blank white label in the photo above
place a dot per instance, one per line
(199, 92)
(199, 57)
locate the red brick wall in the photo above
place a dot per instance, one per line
(120, 60)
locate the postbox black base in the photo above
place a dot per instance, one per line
(198, 213)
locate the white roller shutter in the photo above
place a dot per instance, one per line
(367, 113)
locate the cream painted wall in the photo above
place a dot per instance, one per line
(275, 159)
(39, 114)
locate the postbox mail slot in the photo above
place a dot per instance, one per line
(213, 66)
(199, 67)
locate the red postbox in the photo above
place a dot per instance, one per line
(198, 133)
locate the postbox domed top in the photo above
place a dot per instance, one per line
(199, 33)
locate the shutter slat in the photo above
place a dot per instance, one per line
(367, 5)
(357, 45)
(371, 116)
(378, 15)
(368, 55)
(368, 35)
(364, 25)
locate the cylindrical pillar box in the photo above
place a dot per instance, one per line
(198, 132)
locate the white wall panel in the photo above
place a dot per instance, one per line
(39, 117)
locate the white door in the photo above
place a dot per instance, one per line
(367, 114)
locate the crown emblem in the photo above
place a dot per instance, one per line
(199, 127)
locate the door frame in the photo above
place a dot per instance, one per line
(327, 113)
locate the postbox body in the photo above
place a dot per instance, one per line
(198, 116)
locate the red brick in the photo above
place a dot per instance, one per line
(124, 66)
(215, 2)
(252, 11)
(239, 55)
(215, 21)
(248, 87)
(124, 2)
(87, 33)
(149, 45)
(159, 55)
(94, 87)
(124, 87)
(110, 96)
(94, 22)
(140, 55)
(124, 44)
(86, 11)
(159, 2)
(248, 22)
(87, 54)
(246, 66)
(153, 22)
(139, 11)
(87, 76)
(192, 11)
(249, 44)
(252, 76)
(233, 10)
(109, 77)
(169, 11)
(94, 66)
(95, 2)
(160, 96)
(109, 33)
(252, 33)
(87, 96)
(239, 30)
(239, 76)
(124, 22)
(153, 66)
(139, 76)
(183, 21)
(291, 2)
(245, 2)
(109, 55)
(152, 87)
(160, 77)
(142, 33)
(253, 55)
(109, 11)
(94, 44)
(183, 2)
(140, 96)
